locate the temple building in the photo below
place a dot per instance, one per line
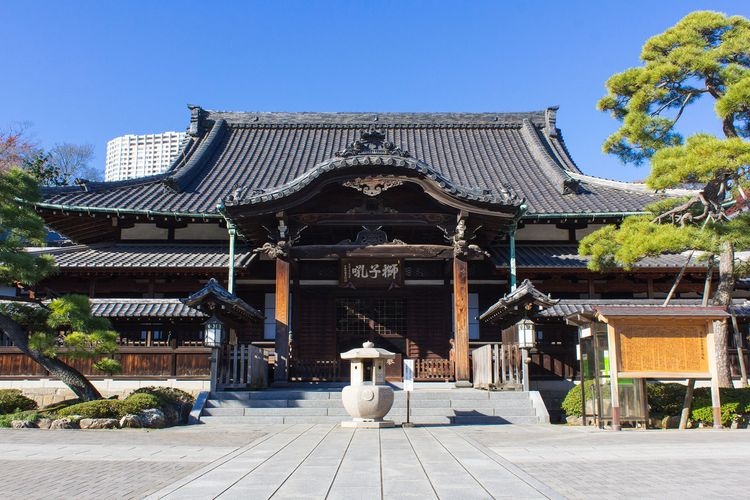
(400, 228)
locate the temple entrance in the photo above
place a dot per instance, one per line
(382, 321)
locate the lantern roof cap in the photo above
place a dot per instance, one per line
(368, 351)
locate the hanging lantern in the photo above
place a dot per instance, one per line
(213, 332)
(526, 331)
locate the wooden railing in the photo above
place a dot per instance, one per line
(240, 367)
(314, 370)
(432, 370)
(496, 365)
(137, 362)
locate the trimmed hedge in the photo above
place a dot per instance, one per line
(735, 405)
(30, 415)
(100, 408)
(665, 399)
(136, 403)
(13, 400)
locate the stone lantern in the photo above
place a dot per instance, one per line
(367, 399)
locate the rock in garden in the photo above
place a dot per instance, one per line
(22, 424)
(64, 423)
(98, 423)
(131, 421)
(153, 419)
(44, 423)
(573, 420)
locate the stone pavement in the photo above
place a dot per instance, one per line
(326, 461)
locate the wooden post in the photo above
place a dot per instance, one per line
(281, 372)
(740, 351)
(713, 366)
(461, 320)
(687, 403)
(214, 370)
(613, 380)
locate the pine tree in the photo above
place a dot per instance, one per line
(706, 54)
(43, 332)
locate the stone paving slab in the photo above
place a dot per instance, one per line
(326, 461)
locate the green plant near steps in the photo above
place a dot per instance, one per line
(167, 395)
(100, 408)
(29, 415)
(12, 400)
(137, 402)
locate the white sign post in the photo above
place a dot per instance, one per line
(408, 387)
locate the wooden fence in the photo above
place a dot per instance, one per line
(240, 367)
(497, 366)
(315, 370)
(137, 362)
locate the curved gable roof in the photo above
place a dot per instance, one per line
(475, 154)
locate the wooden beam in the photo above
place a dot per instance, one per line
(461, 320)
(328, 251)
(281, 372)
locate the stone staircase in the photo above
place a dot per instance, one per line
(323, 405)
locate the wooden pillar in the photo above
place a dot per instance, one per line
(461, 320)
(714, 368)
(613, 376)
(281, 372)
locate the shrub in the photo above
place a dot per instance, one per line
(167, 394)
(175, 403)
(12, 400)
(665, 399)
(735, 405)
(30, 415)
(571, 405)
(137, 402)
(100, 408)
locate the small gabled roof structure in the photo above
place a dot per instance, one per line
(214, 298)
(524, 301)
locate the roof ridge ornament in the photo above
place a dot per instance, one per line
(372, 142)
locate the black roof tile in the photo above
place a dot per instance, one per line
(518, 152)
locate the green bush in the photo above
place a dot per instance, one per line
(167, 395)
(571, 405)
(30, 415)
(137, 402)
(665, 399)
(735, 405)
(12, 400)
(100, 408)
(175, 403)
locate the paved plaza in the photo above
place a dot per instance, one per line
(326, 461)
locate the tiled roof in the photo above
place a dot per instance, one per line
(566, 307)
(518, 153)
(143, 308)
(643, 310)
(566, 256)
(230, 304)
(526, 293)
(126, 255)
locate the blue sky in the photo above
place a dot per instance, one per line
(85, 72)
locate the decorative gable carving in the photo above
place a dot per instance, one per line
(373, 186)
(372, 142)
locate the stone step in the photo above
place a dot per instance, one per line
(341, 412)
(398, 403)
(484, 420)
(245, 420)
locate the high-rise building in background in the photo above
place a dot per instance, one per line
(130, 156)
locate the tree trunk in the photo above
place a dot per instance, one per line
(71, 377)
(723, 297)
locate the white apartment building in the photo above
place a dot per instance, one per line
(130, 156)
